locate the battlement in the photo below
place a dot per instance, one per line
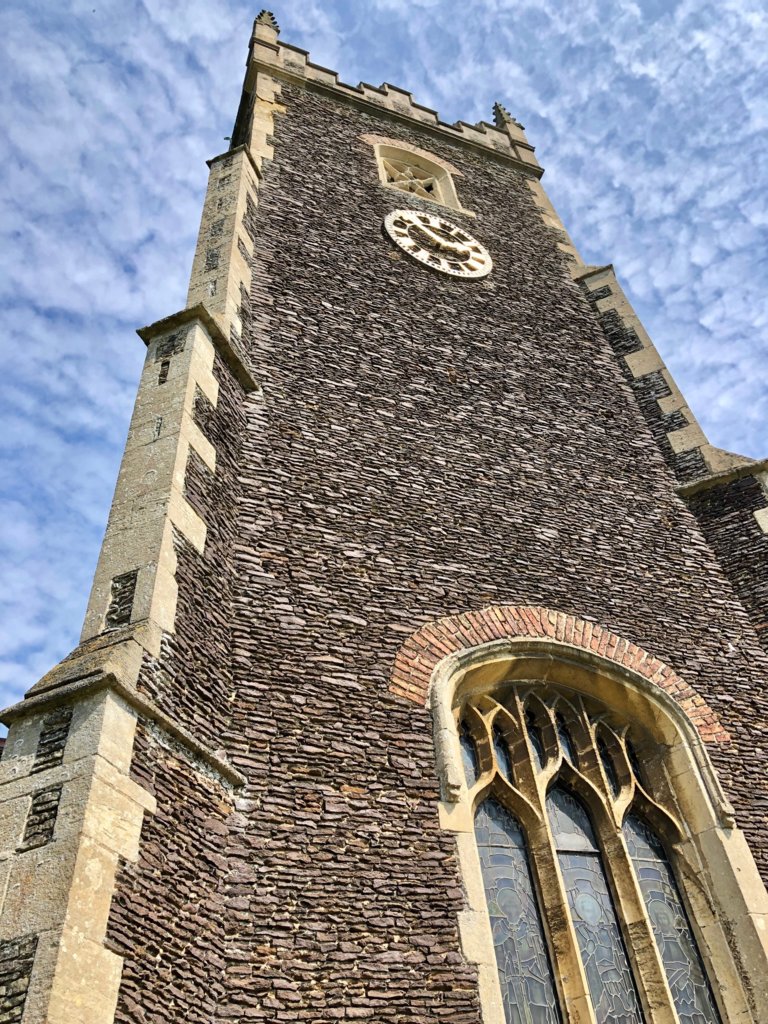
(267, 54)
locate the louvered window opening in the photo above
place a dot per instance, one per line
(409, 177)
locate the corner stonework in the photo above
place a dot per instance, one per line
(675, 428)
(223, 265)
(55, 893)
(149, 502)
(69, 810)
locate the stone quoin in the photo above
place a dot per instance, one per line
(423, 674)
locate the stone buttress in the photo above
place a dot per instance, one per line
(71, 808)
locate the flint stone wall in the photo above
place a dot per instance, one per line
(726, 514)
(423, 446)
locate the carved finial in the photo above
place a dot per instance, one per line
(267, 18)
(265, 29)
(502, 117)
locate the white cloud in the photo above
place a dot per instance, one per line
(650, 117)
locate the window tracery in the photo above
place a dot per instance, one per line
(572, 852)
(417, 173)
(409, 177)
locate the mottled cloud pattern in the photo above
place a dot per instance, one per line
(650, 117)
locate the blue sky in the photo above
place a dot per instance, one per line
(651, 118)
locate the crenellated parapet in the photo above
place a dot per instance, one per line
(269, 57)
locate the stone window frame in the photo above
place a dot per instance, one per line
(442, 171)
(716, 874)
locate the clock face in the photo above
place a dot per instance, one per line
(438, 243)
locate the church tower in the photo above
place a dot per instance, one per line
(422, 679)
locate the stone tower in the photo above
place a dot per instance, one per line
(423, 674)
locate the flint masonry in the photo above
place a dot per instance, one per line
(423, 674)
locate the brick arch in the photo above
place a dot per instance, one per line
(423, 650)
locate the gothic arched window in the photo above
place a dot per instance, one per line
(685, 972)
(587, 917)
(525, 971)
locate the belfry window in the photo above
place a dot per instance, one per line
(417, 174)
(587, 916)
(408, 176)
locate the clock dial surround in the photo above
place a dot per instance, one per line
(438, 243)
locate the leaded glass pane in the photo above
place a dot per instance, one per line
(469, 756)
(685, 972)
(608, 766)
(534, 734)
(569, 821)
(609, 978)
(501, 750)
(525, 973)
(634, 762)
(566, 742)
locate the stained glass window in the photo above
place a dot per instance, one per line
(677, 947)
(609, 978)
(581, 912)
(469, 756)
(525, 973)
(501, 751)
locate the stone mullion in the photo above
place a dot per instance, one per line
(639, 941)
(642, 951)
(571, 981)
(568, 970)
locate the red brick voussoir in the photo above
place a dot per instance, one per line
(423, 650)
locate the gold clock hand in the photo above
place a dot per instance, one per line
(443, 243)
